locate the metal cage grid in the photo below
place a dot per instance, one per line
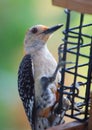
(78, 48)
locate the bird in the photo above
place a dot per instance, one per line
(36, 85)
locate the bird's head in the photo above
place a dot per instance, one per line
(37, 36)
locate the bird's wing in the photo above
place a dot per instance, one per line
(26, 87)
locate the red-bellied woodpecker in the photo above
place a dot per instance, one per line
(37, 91)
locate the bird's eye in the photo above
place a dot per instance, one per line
(34, 30)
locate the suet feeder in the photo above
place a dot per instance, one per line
(76, 81)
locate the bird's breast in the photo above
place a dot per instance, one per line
(44, 65)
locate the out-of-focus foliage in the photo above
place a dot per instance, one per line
(16, 16)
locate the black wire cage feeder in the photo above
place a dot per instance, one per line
(76, 79)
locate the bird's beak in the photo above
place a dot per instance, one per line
(52, 29)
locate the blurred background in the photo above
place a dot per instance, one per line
(16, 16)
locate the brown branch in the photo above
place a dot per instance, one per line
(71, 126)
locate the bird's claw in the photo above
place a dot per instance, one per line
(61, 61)
(59, 116)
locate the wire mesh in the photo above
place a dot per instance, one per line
(76, 78)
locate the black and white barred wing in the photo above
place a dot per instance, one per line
(26, 87)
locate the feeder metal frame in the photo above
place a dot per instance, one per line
(73, 47)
